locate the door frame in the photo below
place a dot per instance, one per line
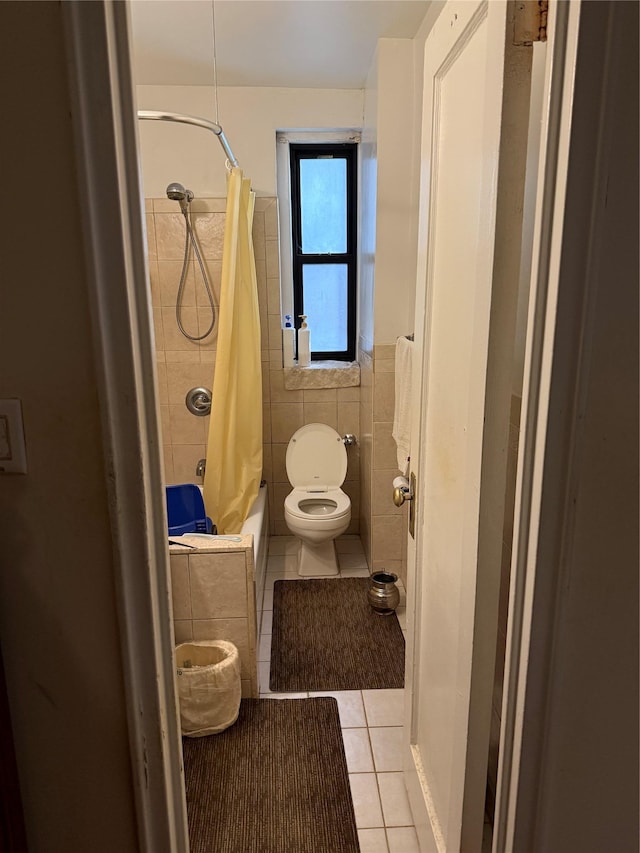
(105, 136)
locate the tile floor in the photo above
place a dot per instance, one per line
(371, 719)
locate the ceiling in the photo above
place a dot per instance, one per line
(286, 43)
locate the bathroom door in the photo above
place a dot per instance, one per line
(473, 157)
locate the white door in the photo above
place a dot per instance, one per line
(475, 118)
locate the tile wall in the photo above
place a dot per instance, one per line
(383, 527)
(183, 365)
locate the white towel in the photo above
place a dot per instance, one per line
(402, 414)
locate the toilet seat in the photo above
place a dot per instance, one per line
(294, 501)
(316, 458)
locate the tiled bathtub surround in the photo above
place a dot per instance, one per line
(214, 598)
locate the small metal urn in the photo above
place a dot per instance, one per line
(383, 594)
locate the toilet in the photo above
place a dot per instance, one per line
(317, 510)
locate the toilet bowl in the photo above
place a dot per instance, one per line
(317, 510)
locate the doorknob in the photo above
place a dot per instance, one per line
(405, 490)
(401, 491)
(401, 494)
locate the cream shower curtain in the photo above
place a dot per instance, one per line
(234, 449)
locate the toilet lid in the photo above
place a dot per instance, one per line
(316, 456)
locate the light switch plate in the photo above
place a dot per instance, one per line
(13, 451)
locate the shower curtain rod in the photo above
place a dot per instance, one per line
(154, 115)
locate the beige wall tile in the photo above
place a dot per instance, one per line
(158, 328)
(286, 418)
(167, 464)
(271, 221)
(349, 418)
(279, 393)
(170, 235)
(280, 492)
(148, 205)
(321, 413)
(384, 351)
(191, 356)
(382, 493)
(169, 273)
(266, 422)
(273, 296)
(185, 459)
(185, 427)
(165, 424)
(275, 332)
(394, 566)
(384, 397)
(154, 281)
(161, 373)
(279, 452)
(173, 338)
(209, 205)
(218, 585)
(386, 537)
(353, 463)
(209, 228)
(214, 277)
(320, 395)
(205, 316)
(348, 395)
(273, 259)
(150, 228)
(234, 631)
(180, 592)
(181, 377)
(384, 447)
(385, 365)
(267, 463)
(183, 631)
(280, 528)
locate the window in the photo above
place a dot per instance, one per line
(323, 238)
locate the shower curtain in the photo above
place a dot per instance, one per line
(234, 449)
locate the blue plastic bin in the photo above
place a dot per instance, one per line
(185, 510)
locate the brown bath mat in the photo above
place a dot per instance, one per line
(325, 636)
(274, 782)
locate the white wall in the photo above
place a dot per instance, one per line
(250, 118)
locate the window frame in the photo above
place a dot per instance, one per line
(349, 152)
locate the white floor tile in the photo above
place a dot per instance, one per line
(386, 744)
(272, 577)
(264, 649)
(279, 545)
(263, 677)
(350, 707)
(395, 803)
(372, 841)
(366, 802)
(282, 563)
(349, 544)
(267, 604)
(284, 695)
(357, 750)
(354, 573)
(352, 561)
(383, 707)
(267, 621)
(402, 840)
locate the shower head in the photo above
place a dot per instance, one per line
(176, 192)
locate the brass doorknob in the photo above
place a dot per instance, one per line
(401, 495)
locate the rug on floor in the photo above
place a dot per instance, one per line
(326, 636)
(275, 781)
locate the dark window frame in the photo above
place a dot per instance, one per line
(349, 152)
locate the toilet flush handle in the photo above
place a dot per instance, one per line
(349, 439)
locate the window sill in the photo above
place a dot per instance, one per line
(322, 374)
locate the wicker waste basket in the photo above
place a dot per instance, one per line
(208, 678)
